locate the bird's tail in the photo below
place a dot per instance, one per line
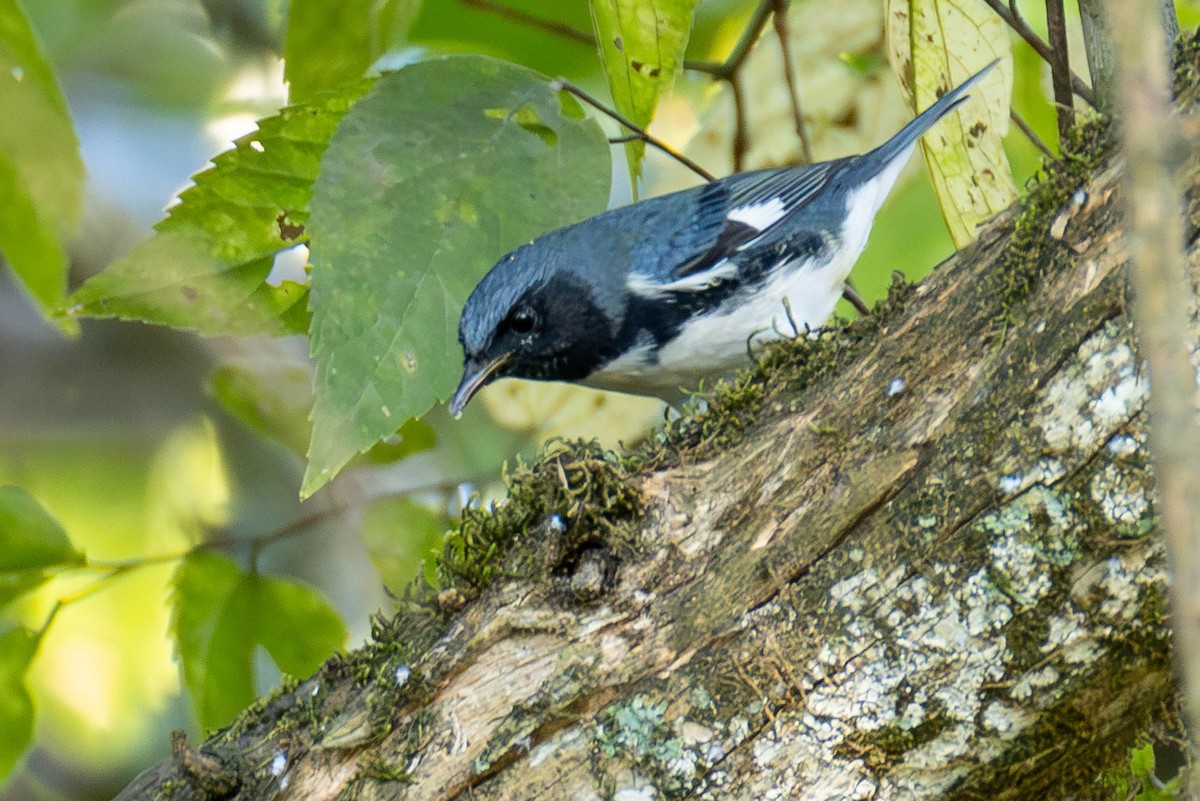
(899, 144)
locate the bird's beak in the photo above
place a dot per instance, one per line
(476, 374)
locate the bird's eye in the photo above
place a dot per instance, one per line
(522, 321)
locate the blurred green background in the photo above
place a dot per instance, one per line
(122, 434)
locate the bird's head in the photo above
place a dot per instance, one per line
(532, 316)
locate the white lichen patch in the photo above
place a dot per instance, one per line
(1120, 494)
(1123, 445)
(1030, 534)
(1070, 638)
(1033, 680)
(643, 792)
(928, 657)
(1094, 396)
(1046, 472)
(1124, 578)
(786, 758)
(934, 641)
(554, 745)
(1006, 721)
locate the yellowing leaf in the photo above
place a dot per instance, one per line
(935, 45)
(550, 410)
(642, 44)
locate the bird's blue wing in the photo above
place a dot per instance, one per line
(736, 210)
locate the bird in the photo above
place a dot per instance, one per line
(652, 297)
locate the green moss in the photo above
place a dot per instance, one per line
(577, 494)
(1031, 252)
(784, 370)
(884, 747)
(380, 770)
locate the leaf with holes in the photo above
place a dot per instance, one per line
(206, 266)
(935, 45)
(641, 44)
(443, 168)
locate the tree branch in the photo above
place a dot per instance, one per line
(912, 556)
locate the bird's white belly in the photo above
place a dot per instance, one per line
(721, 341)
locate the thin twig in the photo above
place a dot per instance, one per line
(562, 84)
(571, 33)
(726, 70)
(1098, 45)
(733, 62)
(741, 137)
(1060, 67)
(854, 299)
(779, 17)
(1018, 24)
(1030, 134)
(562, 29)
(729, 71)
(297, 526)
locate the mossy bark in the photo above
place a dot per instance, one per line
(916, 558)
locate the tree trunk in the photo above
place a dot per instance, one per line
(915, 557)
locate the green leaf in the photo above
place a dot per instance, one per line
(41, 173)
(272, 396)
(221, 614)
(296, 625)
(399, 535)
(641, 43)
(17, 649)
(330, 44)
(31, 543)
(1141, 761)
(445, 166)
(212, 637)
(206, 266)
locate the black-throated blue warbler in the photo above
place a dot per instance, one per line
(652, 297)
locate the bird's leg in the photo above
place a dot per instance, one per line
(787, 309)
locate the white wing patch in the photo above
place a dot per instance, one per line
(759, 216)
(647, 287)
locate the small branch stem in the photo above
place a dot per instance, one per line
(779, 17)
(562, 29)
(733, 62)
(1102, 59)
(1018, 24)
(741, 138)
(562, 84)
(1060, 67)
(1030, 134)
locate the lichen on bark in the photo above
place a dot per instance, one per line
(913, 557)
